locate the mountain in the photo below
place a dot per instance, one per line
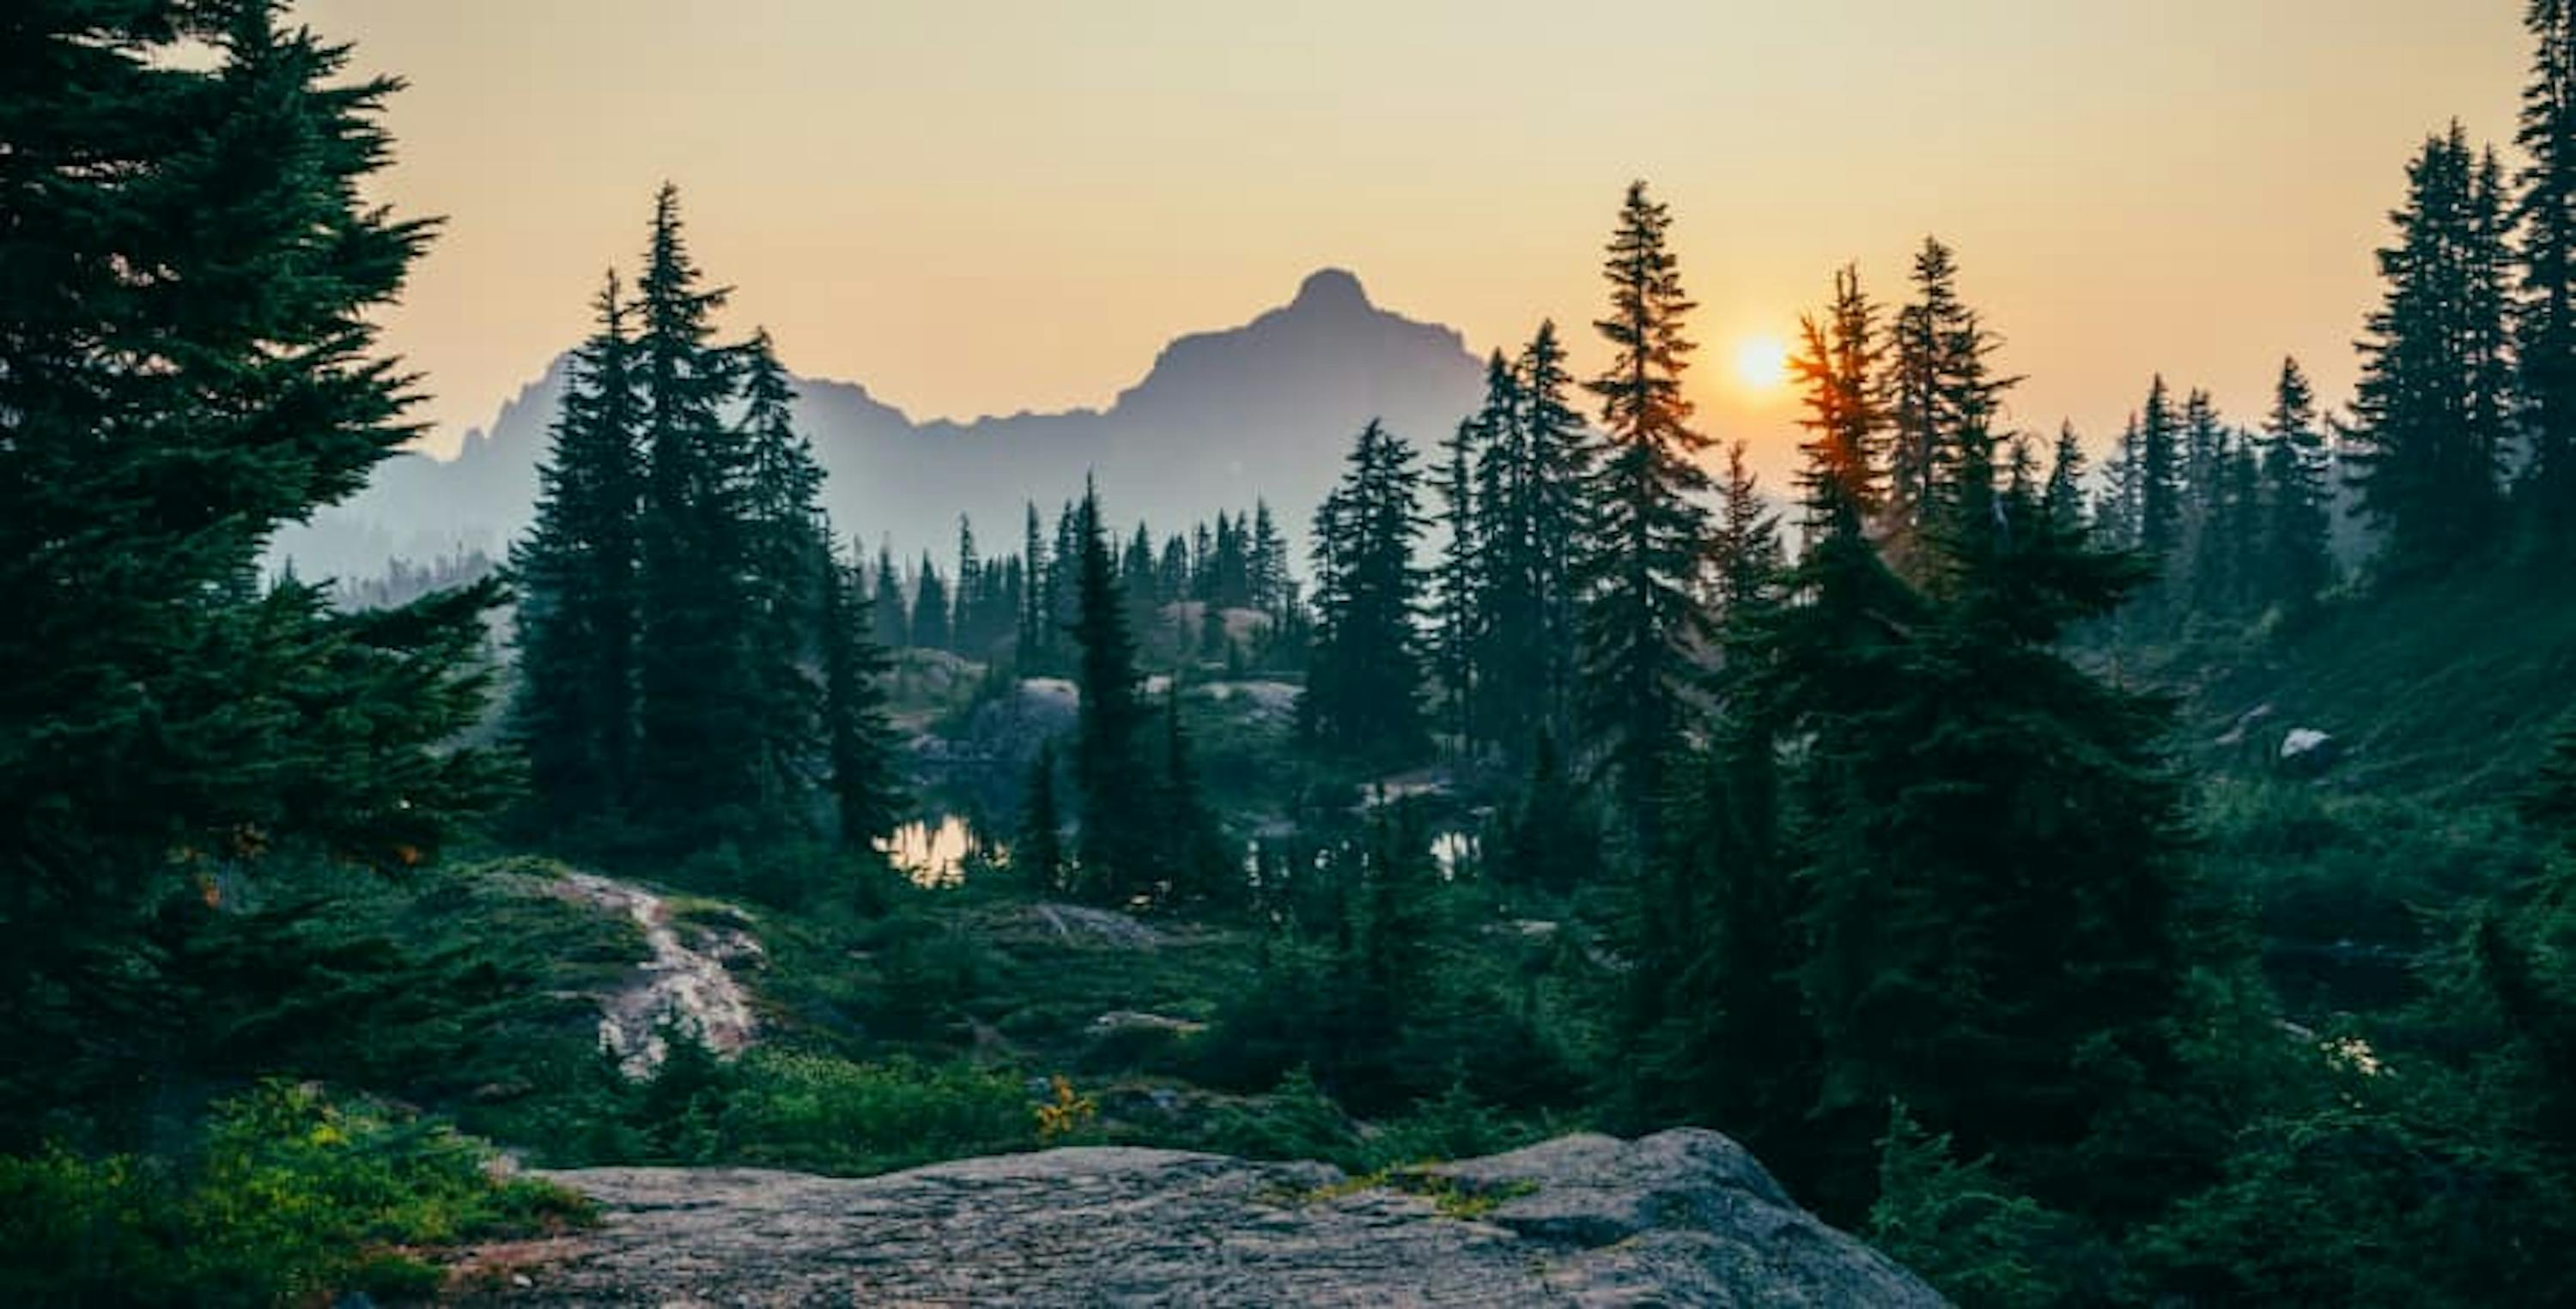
(1264, 409)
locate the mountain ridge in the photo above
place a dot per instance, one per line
(1220, 417)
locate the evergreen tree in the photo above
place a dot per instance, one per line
(2120, 512)
(2545, 318)
(1037, 615)
(2297, 565)
(698, 767)
(1363, 687)
(1119, 843)
(1037, 856)
(2433, 399)
(1838, 370)
(190, 282)
(1269, 561)
(1511, 658)
(967, 606)
(785, 583)
(2158, 477)
(886, 611)
(1459, 580)
(1649, 534)
(1550, 838)
(2063, 498)
(859, 743)
(930, 608)
(574, 715)
(1745, 545)
(1919, 386)
(1198, 869)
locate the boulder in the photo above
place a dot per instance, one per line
(2306, 752)
(1679, 1218)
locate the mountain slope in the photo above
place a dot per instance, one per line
(1264, 409)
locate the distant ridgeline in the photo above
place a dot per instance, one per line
(1265, 409)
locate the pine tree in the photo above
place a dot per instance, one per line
(574, 715)
(1838, 372)
(2545, 318)
(887, 610)
(2063, 498)
(698, 765)
(1037, 616)
(967, 606)
(1037, 856)
(1363, 687)
(2433, 400)
(859, 743)
(188, 309)
(1648, 536)
(785, 581)
(2296, 563)
(930, 608)
(1119, 844)
(1512, 660)
(1197, 867)
(2119, 512)
(1459, 581)
(2158, 477)
(1745, 545)
(1269, 561)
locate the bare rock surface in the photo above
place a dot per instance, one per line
(1678, 1218)
(687, 982)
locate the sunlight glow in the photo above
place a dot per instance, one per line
(1761, 363)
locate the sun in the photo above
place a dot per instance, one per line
(1761, 363)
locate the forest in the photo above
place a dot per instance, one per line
(2143, 883)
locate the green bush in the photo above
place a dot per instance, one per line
(830, 1115)
(287, 1196)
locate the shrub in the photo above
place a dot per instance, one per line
(287, 1196)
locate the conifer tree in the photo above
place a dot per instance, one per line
(785, 580)
(698, 765)
(574, 715)
(1119, 843)
(1037, 856)
(188, 361)
(1745, 543)
(859, 743)
(1269, 561)
(2433, 401)
(1511, 657)
(930, 608)
(1197, 868)
(1459, 582)
(2545, 317)
(1363, 687)
(887, 609)
(1837, 370)
(1036, 615)
(967, 605)
(2296, 565)
(2158, 477)
(2063, 498)
(2119, 511)
(1648, 537)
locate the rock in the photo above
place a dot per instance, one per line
(1128, 1020)
(1073, 923)
(677, 984)
(2306, 752)
(1679, 1218)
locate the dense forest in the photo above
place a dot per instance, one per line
(2150, 883)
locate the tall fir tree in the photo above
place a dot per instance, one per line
(2297, 564)
(887, 609)
(930, 607)
(2429, 441)
(573, 715)
(785, 581)
(189, 302)
(1456, 613)
(1363, 687)
(698, 765)
(2545, 316)
(859, 742)
(1648, 535)
(1037, 854)
(1119, 844)
(2063, 496)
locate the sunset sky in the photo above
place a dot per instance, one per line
(981, 207)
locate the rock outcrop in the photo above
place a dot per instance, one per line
(1678, 1218)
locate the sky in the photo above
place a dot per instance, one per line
(987, 206)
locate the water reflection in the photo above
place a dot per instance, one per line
(932, 854)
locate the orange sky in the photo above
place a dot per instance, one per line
(975, 206)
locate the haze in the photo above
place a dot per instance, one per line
(988, 207)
